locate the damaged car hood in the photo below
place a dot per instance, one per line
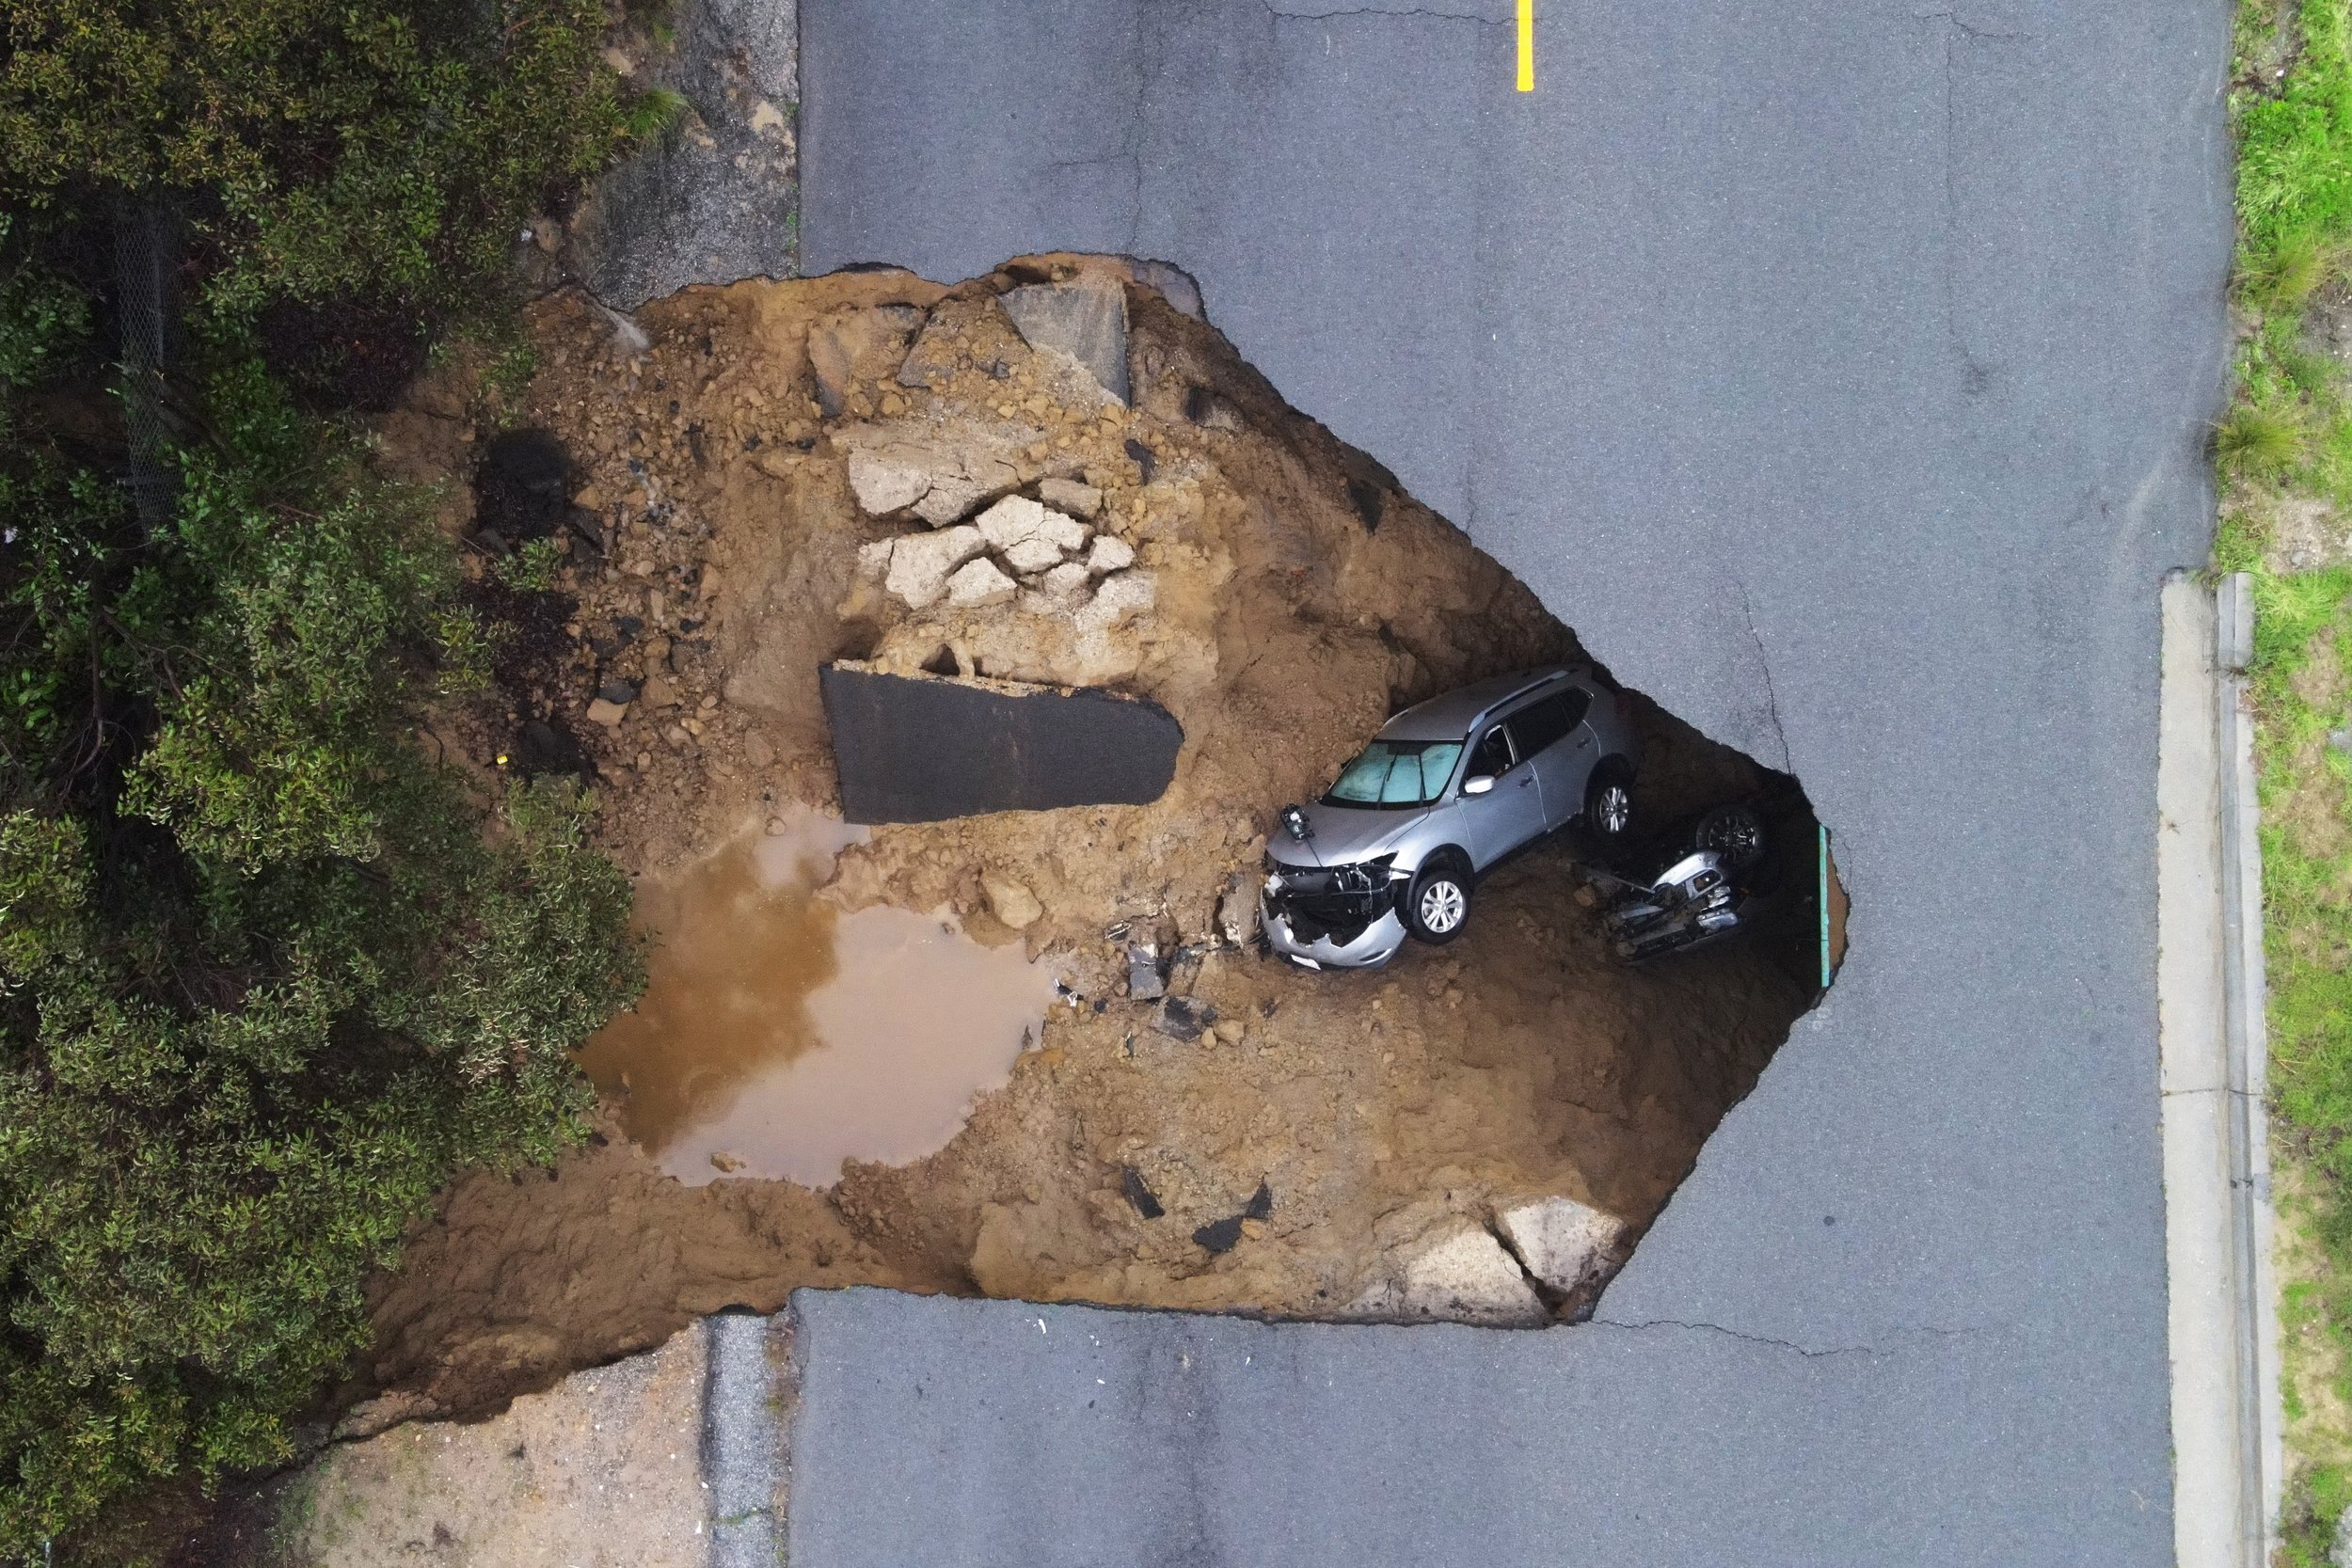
(1344, 836)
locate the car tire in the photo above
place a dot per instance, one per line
(1734, 832)
(1609, 801)
(1437, 903)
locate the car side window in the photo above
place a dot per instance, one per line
(1539, 724)
(1493, 756)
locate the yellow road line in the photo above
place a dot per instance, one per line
(1527, 45)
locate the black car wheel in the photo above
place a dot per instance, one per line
(1436, 906)
(1609, 801)
(1734, 832)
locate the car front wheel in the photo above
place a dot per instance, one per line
(1438, 904)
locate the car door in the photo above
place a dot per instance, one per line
(1552, 734)
(1509, 814)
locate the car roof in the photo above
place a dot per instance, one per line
(1450, 716)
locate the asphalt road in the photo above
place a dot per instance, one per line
(1839, 371)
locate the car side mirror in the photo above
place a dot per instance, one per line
(1478, 786)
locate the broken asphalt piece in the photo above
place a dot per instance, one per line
(927, 748)
(1222, 1235)
(1146, 980)
(1139, 1193)
(1184, 1018)
(1085, 318)
(1172, 283)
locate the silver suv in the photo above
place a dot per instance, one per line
(1442, 795)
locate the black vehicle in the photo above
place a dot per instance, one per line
(1696, 884)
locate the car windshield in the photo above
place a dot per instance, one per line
(1396, 773)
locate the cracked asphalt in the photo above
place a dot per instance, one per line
(1841, 373)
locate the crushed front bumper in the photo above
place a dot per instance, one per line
(1343, 922)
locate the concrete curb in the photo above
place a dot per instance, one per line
(746, 1396)
(2228, 1444)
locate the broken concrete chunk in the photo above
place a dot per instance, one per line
(873, 559)
(1071, 496)
(1237, 913)
(1567, 1244)
(1469, 1277)
(978, 584)
(1146, 982)
(953, 495)
(1010, 902)
(1110, 554)
(920, 564)
(1085, 318)
(609, 714)
(1121, 598)
(1064, 581)
(888, 479)
(845, 346)
(1017, 518)
(1033, 555)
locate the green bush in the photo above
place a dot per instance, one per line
(327, 149)
(263, 980)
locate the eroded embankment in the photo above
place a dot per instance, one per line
(736, 486)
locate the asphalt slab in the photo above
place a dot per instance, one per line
(1841, 373)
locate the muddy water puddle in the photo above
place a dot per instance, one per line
(778, 1037)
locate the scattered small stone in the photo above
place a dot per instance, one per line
(1230, 1031)
(607, 713)
(623, 692)
(722, 1161)
(659, 691)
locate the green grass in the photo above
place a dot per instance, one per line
(2287, 440)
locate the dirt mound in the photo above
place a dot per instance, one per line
(797, 472)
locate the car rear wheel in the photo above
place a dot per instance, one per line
(1438, 905)
(1609, 801)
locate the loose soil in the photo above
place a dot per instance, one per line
(1293, 597)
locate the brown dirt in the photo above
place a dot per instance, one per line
(1517, 1062)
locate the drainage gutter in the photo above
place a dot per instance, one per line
(2229, 1456)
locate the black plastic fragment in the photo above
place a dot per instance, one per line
(1220, 1235)
(1139, 1193)
(924, 749)
(1182, 1018)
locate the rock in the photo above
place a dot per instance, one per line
(1064, 581)
(1469, 1277)
(1031, 556)
(1145, 982)
(659, 691)
(1012, 902)
(1085, 318)
(729, 1164)
(1122, 596)
(1077, 499)
(607, 713)
(1017, 519)
(978, 584)
(1567, 1244)
(873, 558)
(920, 562)
(621, 691)
(1237, 913)
(1110, 554)
(1229, 1031)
